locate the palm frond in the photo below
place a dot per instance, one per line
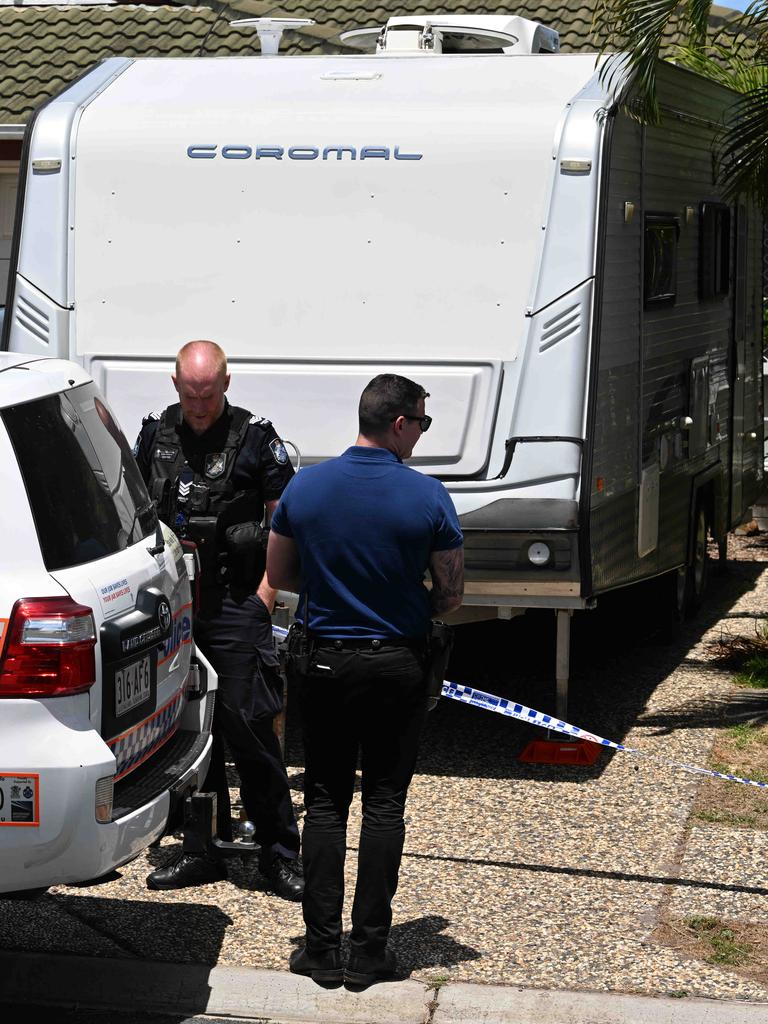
(743, 153)
(637, 27)
(736, 57)
(721, 64)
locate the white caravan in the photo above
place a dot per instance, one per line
(465, 206)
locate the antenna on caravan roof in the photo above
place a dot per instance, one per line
(455, 33)
(270, 30)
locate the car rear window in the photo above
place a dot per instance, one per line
(87, 496)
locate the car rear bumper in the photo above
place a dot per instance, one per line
(67, 844)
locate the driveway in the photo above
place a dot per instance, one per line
(518, 875)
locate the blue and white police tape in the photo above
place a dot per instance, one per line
(511, 709)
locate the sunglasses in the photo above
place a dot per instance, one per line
(424, 421)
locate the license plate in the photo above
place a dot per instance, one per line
(19, 799)
(133, 685)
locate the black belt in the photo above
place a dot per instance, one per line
(366, 643)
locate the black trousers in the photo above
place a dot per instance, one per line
(236, 637)
(372, 702)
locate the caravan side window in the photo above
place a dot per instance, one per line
(662, 231)
(714, 250)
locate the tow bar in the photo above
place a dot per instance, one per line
(200, 830)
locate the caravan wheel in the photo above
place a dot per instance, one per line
(685, 587)
(699, 568)
(679, 586)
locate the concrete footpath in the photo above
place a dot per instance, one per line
(280, 998)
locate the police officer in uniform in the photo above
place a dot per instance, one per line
(212, 468)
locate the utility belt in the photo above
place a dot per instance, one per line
(235, 556)
(297, 654)
(301, 646)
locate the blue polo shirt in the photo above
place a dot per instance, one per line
(365, 526)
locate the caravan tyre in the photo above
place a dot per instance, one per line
(698, 571)
(680, 588)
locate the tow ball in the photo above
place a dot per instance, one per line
(200, 830)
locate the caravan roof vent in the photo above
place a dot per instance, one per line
(456, 33)
(270, 30)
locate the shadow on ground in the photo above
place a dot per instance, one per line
(95, 933)
(419, 945)
(180, 932)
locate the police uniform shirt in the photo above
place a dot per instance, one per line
(261, 464)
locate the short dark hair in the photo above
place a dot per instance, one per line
(385, 398)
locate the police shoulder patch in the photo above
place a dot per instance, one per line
(260, 421)
(152, 416)
(279, 453)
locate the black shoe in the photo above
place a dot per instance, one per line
(186, 869)
(284, 876)
(319, 967)
(365, 970)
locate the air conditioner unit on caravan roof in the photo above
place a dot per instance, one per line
(456, 33)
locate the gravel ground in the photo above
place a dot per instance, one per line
(513, 874)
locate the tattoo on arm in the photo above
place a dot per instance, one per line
(447, 571)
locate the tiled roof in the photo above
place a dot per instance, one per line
(44, 48)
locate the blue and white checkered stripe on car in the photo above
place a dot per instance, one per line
(138, 743)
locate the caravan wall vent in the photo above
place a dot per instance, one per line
(33, 319)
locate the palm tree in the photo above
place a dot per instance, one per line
(736, 57)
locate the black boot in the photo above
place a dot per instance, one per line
(318, 966)
(186, 869)
(362, 971)
(284, 876)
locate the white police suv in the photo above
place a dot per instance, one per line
(105, 709)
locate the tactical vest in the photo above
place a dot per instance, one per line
(201, 503)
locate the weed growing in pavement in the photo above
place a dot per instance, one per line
(755, 672)
(739, 750)
(727, 818)
(729, 768)
(436, 981)
(727, 950)
(738, 946)
(746, 733)
(747, 655)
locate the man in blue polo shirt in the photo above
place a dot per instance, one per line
(355, 536)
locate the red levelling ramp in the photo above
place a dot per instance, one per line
(574, 752)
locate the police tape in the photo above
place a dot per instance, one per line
(511, 709)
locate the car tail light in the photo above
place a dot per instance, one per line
(50, 649)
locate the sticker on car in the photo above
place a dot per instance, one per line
(19, 799)
(116, 596)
